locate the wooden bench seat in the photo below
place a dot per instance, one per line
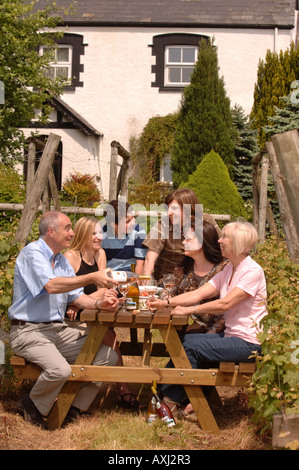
(226, 374)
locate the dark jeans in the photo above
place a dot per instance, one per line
(203, 348)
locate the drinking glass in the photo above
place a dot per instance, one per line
(151, 286)
(123, 289)
(169, 282)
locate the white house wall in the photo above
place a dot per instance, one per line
(117, 97)
(80, 152)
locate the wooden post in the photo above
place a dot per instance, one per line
(123, 181)
(113, 174)
(263, 199)
(41, 179)
(119, 184)
(286, 146)
(292, 239)
(54, 190)
(256, 197)
(46, 198)
(255, 191)
(30, 167)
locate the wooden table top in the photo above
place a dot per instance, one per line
(135, 318)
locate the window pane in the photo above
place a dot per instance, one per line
(50, 52)
(174, 54)
(175, 75)
(62, 54)
(187, 74)
(50, 73)
(62, 72)
(189, 55)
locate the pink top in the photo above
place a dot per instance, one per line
(243, 319)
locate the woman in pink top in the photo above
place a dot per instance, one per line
(241, 287)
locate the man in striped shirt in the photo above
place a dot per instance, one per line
(123, 238)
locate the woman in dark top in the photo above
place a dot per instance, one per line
(86, 256)
(203, 259)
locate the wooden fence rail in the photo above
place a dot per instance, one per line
(98, 212)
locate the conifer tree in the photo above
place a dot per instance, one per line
(214, 187)
(246, 148)
(204, 118)
(274, 79)
(285, 119)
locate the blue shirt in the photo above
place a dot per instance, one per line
(33, 270)
(122, 252)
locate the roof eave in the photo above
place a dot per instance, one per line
(142, 24)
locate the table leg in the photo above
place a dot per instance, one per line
(195, 394)
(70, 389)
(147, 347)
(134, 338)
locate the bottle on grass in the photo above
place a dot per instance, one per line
(163, 411)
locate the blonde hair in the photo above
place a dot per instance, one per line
(83, 231)
(243, 235)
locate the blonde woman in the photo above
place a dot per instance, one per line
(85, 253)
(86, 256)
(241, 288)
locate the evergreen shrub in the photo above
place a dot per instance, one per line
(12, 190)
(214, 188)
(9, 251)
(275, 384)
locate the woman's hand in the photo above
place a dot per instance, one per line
(157, 303)
(182, 310)
(109, 300)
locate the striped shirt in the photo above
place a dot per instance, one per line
(122, 252)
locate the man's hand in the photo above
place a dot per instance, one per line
(58, 285)
(102, 279)
(107, 301)
(72, 312)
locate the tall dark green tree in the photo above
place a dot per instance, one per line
(274, 77)
(204, 119)
(246, 148)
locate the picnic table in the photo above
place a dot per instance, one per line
(182, 372)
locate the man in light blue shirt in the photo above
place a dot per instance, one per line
(35, 266)
(44, 284)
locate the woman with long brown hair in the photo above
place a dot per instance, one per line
(164, 241)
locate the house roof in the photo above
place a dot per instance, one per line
(75, 118)
(232, 13)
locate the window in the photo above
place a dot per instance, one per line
(66, 59)
(61, 65)
(179, 64)
(176, 54)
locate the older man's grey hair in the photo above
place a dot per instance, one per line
(49, 219)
